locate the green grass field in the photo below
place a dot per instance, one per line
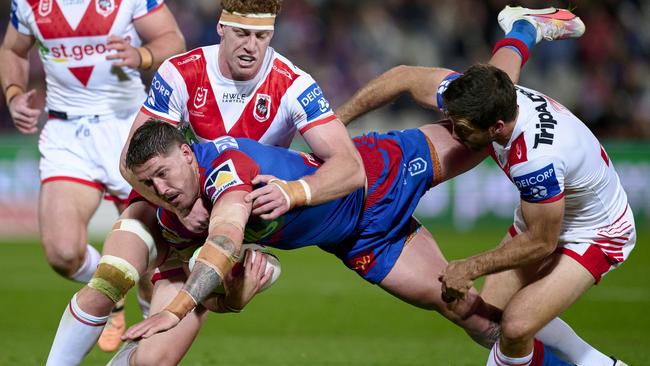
(320, 313)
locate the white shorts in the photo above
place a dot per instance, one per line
(86, 149)
(599, 250)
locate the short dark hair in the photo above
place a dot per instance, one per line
(252, 6)
(480, 97)
(153, 138)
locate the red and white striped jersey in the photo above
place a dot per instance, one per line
(72, 39)
(551, 155)
(189, 90)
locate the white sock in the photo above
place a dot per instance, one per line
(77, 334)
(88, 267)
(144, 306)
(497, 358)
(566, 344)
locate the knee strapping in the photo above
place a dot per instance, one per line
(114, 277)
(136, 227)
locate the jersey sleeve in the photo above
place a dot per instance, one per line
(444, 84)
(308, 105)
(145, 7)
(231, 170)
(167, 94)
(540, 180)
(18, 17)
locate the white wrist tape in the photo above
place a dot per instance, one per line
(307, 189)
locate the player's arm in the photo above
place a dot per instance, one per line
(544, 222)
(419, 82)
(14, 74)
(341, 173)
(161, 36)
(216, 258)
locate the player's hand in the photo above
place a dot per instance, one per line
(269, 202)
(243, 283)
(197, 219)
(25, 117)
(124, 53)
(456, 281)
(156, 323)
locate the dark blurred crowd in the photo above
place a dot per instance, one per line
(604, 77)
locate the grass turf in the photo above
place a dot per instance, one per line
(320, 313)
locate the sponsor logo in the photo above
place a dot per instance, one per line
(224, 143)
(233, 98)
(547, 122)
(538, 185)
(262, 109)
(189, 59)
(104, 7)
(417, 166)
(313, 102)
(222, 178)
(200, 96)
(311, 160)
(45, 7)
(283, 72)
(362, 263)
(159, 94)
(77, 52)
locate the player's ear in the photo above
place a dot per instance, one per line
(220, 30)
(497, 129)
(187, 153)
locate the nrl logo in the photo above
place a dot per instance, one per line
(200, 96)
(104, 7)
(262, 109)
(44, 7)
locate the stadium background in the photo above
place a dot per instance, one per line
(320, 313)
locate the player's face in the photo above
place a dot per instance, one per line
(474, 139)
(241, 52)
(173, 178)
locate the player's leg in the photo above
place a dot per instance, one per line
(520, 323)
(413, 279)
(166, 348)
(128, 252)
(499, 288)
(65, 208)
(526, 27)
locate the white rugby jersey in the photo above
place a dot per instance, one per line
(72, 39)
(189, 90)
(552, 154)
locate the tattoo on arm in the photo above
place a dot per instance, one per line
(225, 244)
(202, 281)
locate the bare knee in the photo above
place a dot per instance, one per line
(516, 329)
(64, 259)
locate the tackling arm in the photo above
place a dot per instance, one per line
(217, 256)
(419, 82)
(219, 253)
(544, 221)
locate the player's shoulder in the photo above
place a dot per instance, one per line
(283, 67)
(196, 58)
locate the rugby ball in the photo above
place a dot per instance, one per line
(271, 262)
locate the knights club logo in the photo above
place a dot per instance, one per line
(200, 96)
(262, 109)
(104, 7)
